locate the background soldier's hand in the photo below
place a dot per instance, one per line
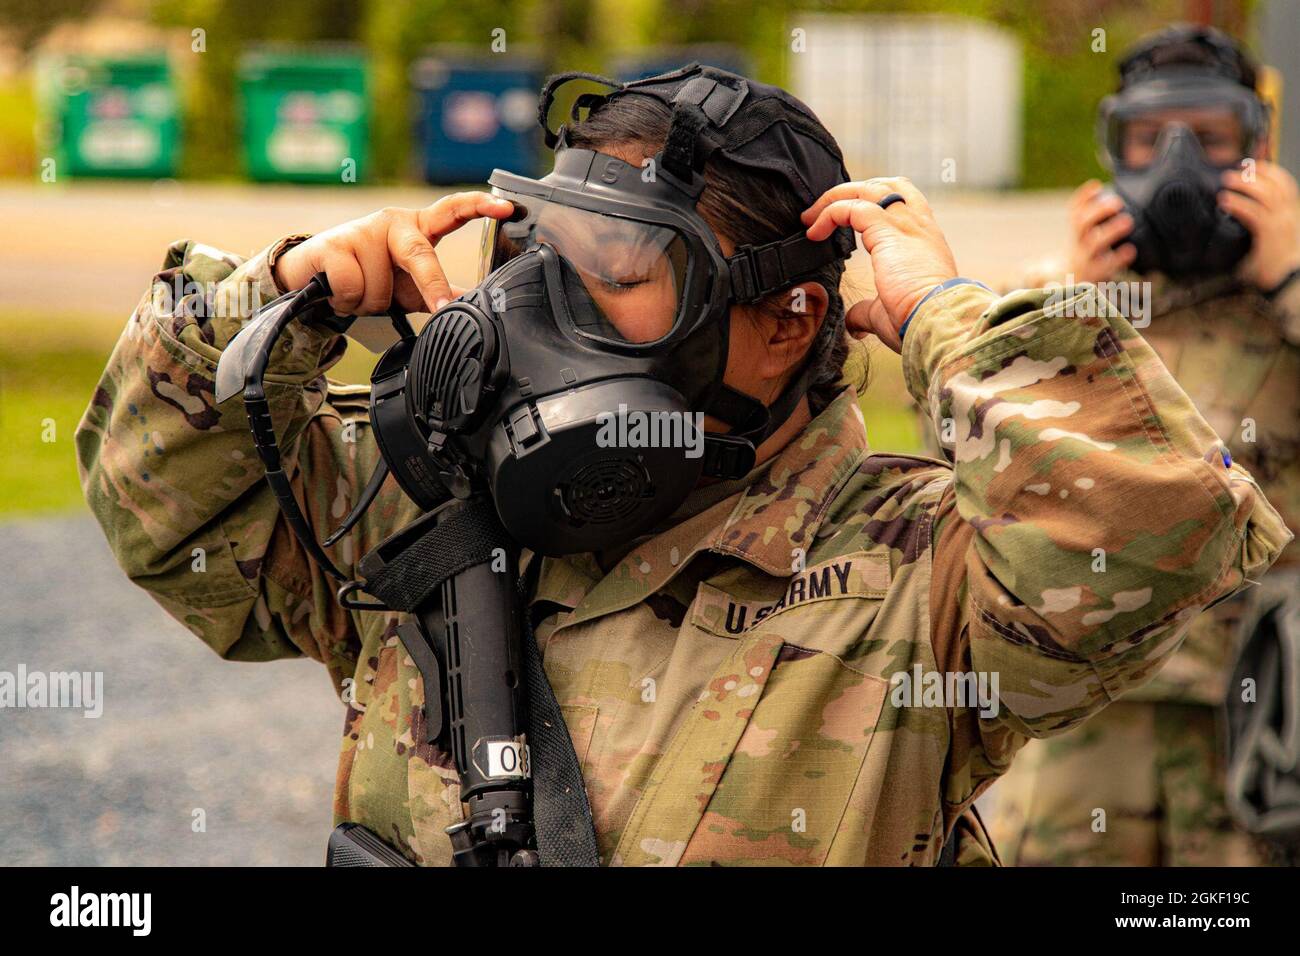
(388, 254)
(1097, 222)
(1266, 205)
(909, 254)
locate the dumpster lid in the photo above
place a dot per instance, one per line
(302, 58)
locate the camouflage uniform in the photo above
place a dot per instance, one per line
(1154, 762)
(729, 683)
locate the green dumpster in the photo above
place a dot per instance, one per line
(305, 115)
(114, 116)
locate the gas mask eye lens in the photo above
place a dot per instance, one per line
(503, 239)
(630, 275)
(1138, 140)
(634, 282)
(1219, 132)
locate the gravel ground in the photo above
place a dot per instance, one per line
(252, 745)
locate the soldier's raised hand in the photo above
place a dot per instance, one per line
(1097, 223)
(1266, 204)
(909, 254)
(387, 255)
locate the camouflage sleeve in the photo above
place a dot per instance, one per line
(178, 489)
(1091, 513)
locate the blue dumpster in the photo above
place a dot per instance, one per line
(476, 113)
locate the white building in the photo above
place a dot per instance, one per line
(934, 98)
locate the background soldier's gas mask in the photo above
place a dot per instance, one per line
(1167, 137)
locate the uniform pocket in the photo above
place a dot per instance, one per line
(782, 796)
(435, 805)
(432, 784)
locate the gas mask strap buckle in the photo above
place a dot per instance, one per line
(732, 455)
(745, 414)
(759, 270)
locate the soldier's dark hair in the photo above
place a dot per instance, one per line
(744, 205)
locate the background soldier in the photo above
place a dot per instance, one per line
(1228, 328)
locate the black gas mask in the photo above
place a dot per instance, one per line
(1168, 171)
(573, 381)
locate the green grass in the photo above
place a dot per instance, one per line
(49, 366)
(892, 421)
(891, 427)
(45, 385)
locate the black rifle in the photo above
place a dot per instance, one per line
(455, 570)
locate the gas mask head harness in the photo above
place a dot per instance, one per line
(572, 381)
(1186, 111)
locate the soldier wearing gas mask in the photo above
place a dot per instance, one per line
(1199, 230)
(792, 650)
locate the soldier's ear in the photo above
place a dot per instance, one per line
(790, 324)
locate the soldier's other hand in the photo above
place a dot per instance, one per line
(909, 254)
(1097, 223)
(387, 255)
(1265, 203)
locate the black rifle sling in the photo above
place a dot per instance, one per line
(566, 835)
(561, 813)
(467, 537)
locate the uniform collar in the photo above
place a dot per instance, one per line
(763, 525)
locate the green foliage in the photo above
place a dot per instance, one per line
(18, 128)
(893, 423)
(397, 31)
(1070, 50)
(1063, 75)
(212, 131)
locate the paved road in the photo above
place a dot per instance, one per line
(252, 745)
(91, 247)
